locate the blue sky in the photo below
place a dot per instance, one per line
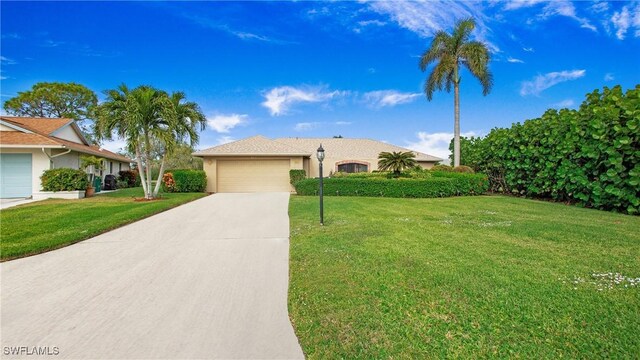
(318, 69)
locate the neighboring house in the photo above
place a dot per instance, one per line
(260, 164)
(29, 146)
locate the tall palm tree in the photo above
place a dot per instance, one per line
(189, 120)
(148, 119)
(396, 161)
(450, 52)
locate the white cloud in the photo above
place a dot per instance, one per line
(342, 123)
(517, 4)
(436, 144)
(528, 49)
(564, 104)
(600, 6)
(7, 61)
(306, 126)
(280, 99)
(609, 77)
(565, 8)
(372, 23)
(543, 82)
(224, 140)
(627, 18)
(224, 123)
(426, 17)
(514, 60)
(382, 98)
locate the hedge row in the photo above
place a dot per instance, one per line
(187, 181)
(64, 179)
(437, 186)
(590, 156)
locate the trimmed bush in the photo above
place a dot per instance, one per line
(64, 179)
(296, 175)
(188, 181)
(437, 186)
(463, 169)
(441, 167)
(130, 177)
(589, 156)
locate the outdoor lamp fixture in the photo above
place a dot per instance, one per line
(320, 155)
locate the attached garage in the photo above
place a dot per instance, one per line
(15, 175)
(253, 175)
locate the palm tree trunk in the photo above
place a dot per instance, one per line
(148, 193)
(456, 121)
(141, 171)
(157, 188)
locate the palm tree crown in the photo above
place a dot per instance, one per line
(396, 161)
(450, 51)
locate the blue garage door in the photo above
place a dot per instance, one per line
(15, 175)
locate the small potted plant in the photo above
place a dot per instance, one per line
(91, 164)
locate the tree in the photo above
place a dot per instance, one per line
(396, 161)
(181, 158)
(469, 153)
(57, 100)
(152, 123)
(450, 52)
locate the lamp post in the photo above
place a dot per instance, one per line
(320, 155)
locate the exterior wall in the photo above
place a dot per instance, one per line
(39, 162)
(210, 167)
(68, 133)
(70, 160)
(427, 164)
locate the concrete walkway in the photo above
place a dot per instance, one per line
(205, 280)
(9, 203)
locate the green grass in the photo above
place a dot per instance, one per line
(466, 277)
(46, 225)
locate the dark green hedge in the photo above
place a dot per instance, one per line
(296, 175)
(590, 156)
(64, 179)
(189, 180)
(437, 186)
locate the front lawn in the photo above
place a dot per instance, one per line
(45, 225)
(466, 277)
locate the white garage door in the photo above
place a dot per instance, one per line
(253, 175)
(15, 175)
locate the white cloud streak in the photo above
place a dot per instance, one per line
(564, 104)
(279, 100)
(224, 123)
(384, 98)
(609, 77)
(625, 19)
(436, 144)
(514, 60)
(543, 82)
(425, 18)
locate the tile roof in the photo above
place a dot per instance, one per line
(42, 129)
(20, 138)
(40, 125)
(346, 148)
(253, 146)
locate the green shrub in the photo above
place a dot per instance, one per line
(441, 167)
(188, 181)
(589, 156)
(130, 177)
(437, 186)
(64, 179)
(463, 169)
(296, 175)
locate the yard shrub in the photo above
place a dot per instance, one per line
(296, 175)
(589, 156)
(130, 177)
(441, 167)
(436, 186)
(64, 179)
(463, 169)
(168, 182)
(188, 181)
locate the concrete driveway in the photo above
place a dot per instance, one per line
(205, 280)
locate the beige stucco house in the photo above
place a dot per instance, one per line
(29, 146)
(261, 164)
